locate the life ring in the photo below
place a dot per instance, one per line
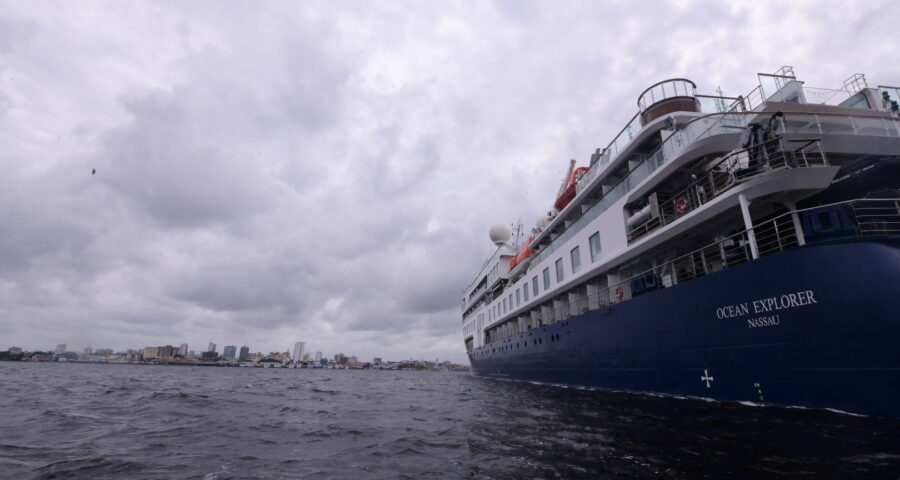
(620, 292)
(681, 205)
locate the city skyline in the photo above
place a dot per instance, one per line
(151, 352)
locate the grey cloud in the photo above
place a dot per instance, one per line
(14, 31)
(277, 172)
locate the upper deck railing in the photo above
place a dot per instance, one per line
(712, 125)
(664, 90)
(769, 87)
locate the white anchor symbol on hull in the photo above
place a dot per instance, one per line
(706, 378)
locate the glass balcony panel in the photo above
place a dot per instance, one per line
(871, 126)
(801, 124)
(835, 125)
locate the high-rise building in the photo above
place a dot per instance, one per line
(166, 351)
(183, 350)
(298, 351)
(230, 351)
(150, 353)
(318, 357)
(245, 354)
(212, 347)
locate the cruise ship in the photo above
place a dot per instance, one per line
(739, 248)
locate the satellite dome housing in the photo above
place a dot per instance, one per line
(500, 234)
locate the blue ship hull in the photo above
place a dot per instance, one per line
(814, 326)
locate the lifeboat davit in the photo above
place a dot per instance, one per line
(520, 262)
(569, 190)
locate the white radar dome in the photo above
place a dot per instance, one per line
(500, 234)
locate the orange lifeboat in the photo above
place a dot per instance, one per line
(569, 190)
(523, 254)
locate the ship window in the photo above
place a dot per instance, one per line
(559, 270)
(534, 286)
(518, 298)
(510, 302)
(504, 305)
(525, 291)
(546, 278)
(595, 246)
(576, 259)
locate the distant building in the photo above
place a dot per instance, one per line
(245, 354)
(41, 357)
(150, 353)
(183, 350)
(66, 356)
(212, 347)
(88, 350)
(305, 357)
(298, 351)
(340, 359)
(353, 359)
(209, 356)
(282, 357)
(167, 351)
(230, 351)
(318, 357)
(61, 348)
(377, 361)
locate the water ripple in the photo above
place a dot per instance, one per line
(120, 421)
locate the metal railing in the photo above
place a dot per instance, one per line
(673, 87)
(708, 126)
(876, 216)
(734, 168)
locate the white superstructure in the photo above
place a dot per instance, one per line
(676, 195)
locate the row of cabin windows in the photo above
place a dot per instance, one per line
(575, 258)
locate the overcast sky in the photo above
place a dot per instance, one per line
(328, 171)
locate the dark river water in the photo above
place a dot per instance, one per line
(127, 421)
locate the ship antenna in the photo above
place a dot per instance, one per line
(518, 232)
